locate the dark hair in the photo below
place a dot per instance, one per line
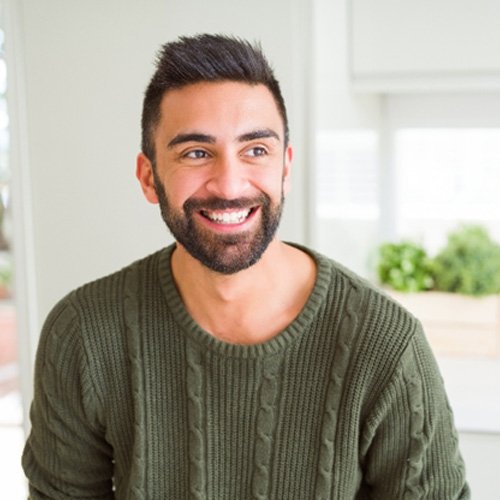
(203, 58)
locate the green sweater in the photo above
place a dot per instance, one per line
(132, 396)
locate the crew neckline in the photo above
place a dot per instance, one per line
(270, 347)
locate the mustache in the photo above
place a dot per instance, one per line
(196, 204)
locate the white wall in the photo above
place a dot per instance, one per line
(336, 104)
(425, 45)
(86, 66)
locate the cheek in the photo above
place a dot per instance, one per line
(180, 187)
(271, 184)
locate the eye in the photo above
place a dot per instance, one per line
(256, 151)
(196, 154)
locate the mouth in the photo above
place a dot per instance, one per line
(228, 217)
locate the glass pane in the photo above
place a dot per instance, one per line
(445, 177)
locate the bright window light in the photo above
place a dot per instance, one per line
(445, 177)
(347, 186)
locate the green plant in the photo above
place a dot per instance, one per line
(5, 278)
(405, 267)
(469, 264)
(5, 272)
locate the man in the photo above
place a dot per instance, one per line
(232, 365)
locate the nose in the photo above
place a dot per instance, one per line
(228, 178)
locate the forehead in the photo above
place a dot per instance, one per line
(219, 108)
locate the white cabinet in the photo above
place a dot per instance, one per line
(405, 45)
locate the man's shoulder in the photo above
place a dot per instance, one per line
(365, 301)
(374, 331)
(106, 295)
(98, 314)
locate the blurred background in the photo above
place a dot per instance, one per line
(395, 117)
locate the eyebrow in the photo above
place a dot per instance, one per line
(210, 139)
(181, 138)
(263, 133)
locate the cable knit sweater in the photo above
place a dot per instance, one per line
(133, 400)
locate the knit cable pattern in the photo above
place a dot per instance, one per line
(197, 476)
(131, 305)
(417, 439)
(340, 363)
(266, 420)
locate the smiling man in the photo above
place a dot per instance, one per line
(232, 365)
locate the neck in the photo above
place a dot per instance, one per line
(252, 305)
(198, 280)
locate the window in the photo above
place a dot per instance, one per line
(445, 177)
(448, 176)
(431, 165)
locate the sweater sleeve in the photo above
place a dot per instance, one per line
(66, 455)
(411, 445)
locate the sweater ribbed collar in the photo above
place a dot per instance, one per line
(272, 346)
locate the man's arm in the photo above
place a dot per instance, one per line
(410, 442)
(66, 455)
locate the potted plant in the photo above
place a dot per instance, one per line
(405, 267)
(460, 306)
(469, 264)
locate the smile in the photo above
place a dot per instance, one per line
(224, 217)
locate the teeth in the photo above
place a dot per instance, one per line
(228, 217)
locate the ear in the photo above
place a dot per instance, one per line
(144, 174)
(287, 181)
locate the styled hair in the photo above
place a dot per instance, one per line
(205, 58)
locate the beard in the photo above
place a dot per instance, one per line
(222, 253)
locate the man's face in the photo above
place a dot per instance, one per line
(221, 171)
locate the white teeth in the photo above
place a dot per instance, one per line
(228, 217)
